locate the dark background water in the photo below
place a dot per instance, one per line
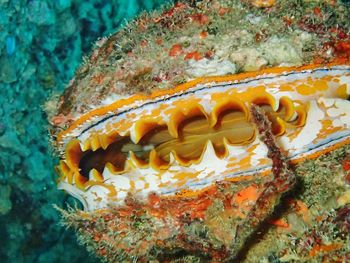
(41, 45)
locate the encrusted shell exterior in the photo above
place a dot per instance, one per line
(260, 84)
(173, 46)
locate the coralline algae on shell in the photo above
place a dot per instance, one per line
(159, 128)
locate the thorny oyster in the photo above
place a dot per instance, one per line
(169, 134)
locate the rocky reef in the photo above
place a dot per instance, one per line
(41, 45)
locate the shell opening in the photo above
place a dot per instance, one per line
(155, 143)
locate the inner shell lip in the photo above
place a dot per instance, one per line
(231, 128)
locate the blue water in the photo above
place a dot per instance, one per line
(41, 45)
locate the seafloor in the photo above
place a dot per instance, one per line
(41, 45)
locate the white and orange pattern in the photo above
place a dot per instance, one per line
(181, 141)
